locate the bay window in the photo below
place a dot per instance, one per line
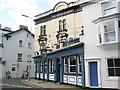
(109, 31)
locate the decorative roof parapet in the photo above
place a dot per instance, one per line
(65, 5)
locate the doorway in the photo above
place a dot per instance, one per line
(93, 74)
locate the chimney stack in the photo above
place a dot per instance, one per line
(23, 27)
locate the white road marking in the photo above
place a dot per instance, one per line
(15, 85)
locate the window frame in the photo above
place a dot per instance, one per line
(51, 66)
(114, 68)
(106, 39)
(46, 67)
(43, 30)
(65, 65)
(20, 43)
(79, 64)
(19, 57)
(60, 25)
(72, 65)
(41, 67)
(101, 25)
(109, 8)
(64, 24)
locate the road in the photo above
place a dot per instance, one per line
(13, 83)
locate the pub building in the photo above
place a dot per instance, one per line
(59, 47)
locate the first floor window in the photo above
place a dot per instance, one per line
(19, 57)
(73, 64)
(113, 66)
(109, 31)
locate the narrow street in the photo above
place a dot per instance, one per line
(13, 83)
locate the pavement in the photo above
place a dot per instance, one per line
(44, 84)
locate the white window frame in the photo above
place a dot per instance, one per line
(71, 65)
(112, 9)
(109, 32)
(112, 67)
(65, 65)
(117, 32)
(51, 66)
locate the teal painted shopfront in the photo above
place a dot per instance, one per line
(65, 65)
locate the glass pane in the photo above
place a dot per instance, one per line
(79, 60)
(45, 69)
(117, 70)
(66, 61)
(117, 62)
(110, 63)
(110, 37)
(110, 11)
(72, 68)
(66, 69)
(109, 26)
(111, 72)
(79, 68)
(108, 5)
(72, 61)
(119, 25)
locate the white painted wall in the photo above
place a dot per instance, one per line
(11, 50)
(93, 51)
(2, 66)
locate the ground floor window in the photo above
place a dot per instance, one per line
(41, 67)
(37, 66)
(65, 65)
(72, 64)
(113, 65)
(45, 66)
(51, 65)
(79, 63)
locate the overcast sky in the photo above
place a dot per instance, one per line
(11, 11)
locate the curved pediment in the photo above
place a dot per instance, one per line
(59, 6)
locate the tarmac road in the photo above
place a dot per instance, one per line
(13, 83)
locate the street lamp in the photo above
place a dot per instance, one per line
(29, 66)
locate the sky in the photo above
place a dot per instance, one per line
(11, 11)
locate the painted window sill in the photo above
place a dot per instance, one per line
(108, 43)
(114, 78)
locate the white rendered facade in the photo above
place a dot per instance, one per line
(101, 37)
(2, 62)
(18, 51)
